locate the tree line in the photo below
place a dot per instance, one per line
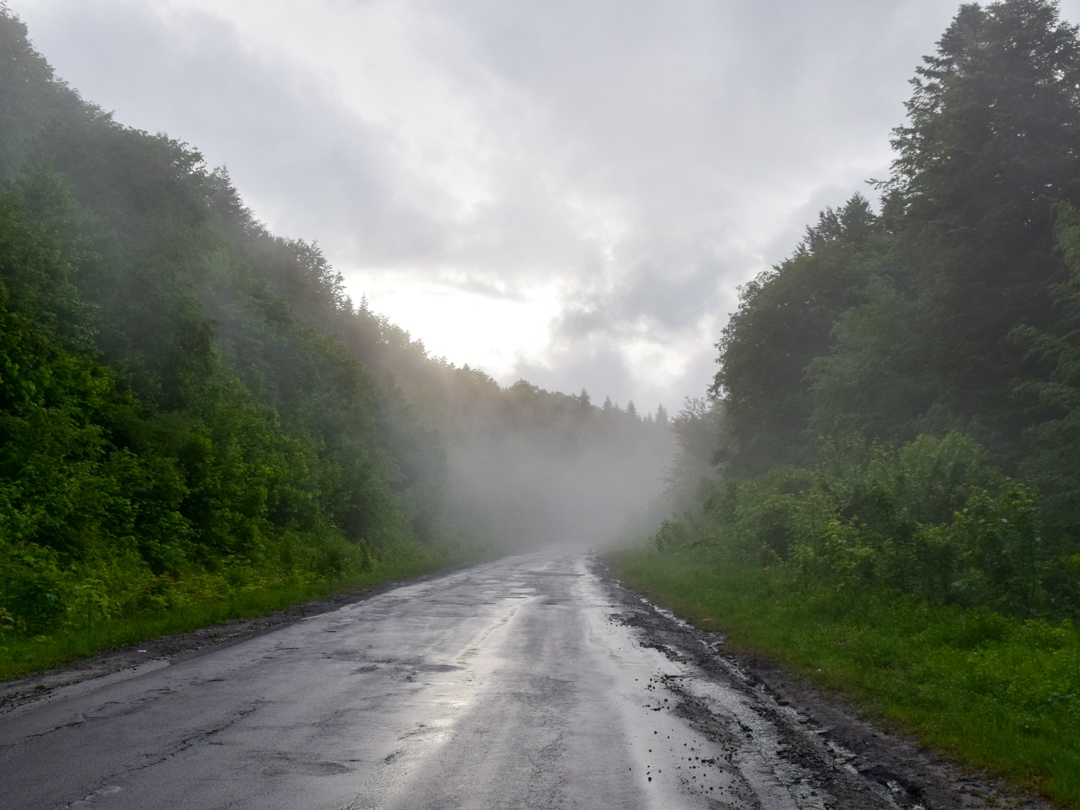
(192, 407)
(898, 402)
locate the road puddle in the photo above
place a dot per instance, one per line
(448, 691)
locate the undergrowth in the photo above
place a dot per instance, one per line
(23, 655)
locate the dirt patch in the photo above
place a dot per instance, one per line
(819, 730)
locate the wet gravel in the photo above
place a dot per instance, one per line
(840, 750)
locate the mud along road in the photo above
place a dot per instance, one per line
(531, 682)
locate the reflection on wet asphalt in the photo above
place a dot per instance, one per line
(528, 682)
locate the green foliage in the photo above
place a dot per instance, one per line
(987, 157)
(894, 506)
(907, 322)
(874, 380)
(194, 415)
(1054, 400)
(106, 509)
(991, 121)
(948, 323)
(195, 602)
(171, 432)
(933, 519)
(784, 321)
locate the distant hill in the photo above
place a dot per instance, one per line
(192, 407)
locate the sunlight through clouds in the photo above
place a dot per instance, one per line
(564, 191)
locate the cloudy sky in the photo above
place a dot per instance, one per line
(563, 190)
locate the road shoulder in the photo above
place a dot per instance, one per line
(915, 776)
(130, 660)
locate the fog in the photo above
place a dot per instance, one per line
(576, 475)
(511, 467)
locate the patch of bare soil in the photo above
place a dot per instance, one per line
(819, 730)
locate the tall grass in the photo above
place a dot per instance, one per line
(21, 655)
(995, 692)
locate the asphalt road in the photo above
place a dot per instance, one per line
(531, 682)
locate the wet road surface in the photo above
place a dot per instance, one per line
(530, 682)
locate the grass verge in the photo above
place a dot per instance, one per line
(997, 693)
(22, 656)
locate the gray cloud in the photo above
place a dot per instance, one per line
(641, 157)
(290, 145)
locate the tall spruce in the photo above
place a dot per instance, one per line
(898, 324)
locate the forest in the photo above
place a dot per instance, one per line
(881, 486)
(196, 420)
(898, 403)
(880, 489)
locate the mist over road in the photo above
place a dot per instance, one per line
(530, 682)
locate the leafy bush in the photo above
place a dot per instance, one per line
(110, 507)
(932, 518)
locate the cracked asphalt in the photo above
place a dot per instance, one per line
(529, 682)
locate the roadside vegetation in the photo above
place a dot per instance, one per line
(216, 604)
(197, 423)
(881, 488)
(993, 691)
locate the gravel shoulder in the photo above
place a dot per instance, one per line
(914, 776)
